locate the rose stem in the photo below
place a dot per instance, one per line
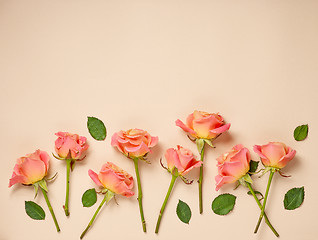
(260, 206)
(51, 209)
(200, 182)
(68, 169)
(108, 196)
(265, 200)
(140, 195)
(174, 177)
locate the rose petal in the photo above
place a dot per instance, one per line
(287, 158)
(258, 149)
(17, 179)
(33, 170)
(180, 124)
(137, 151)
(221, 129)
(94, 177)
(221, 180)
(172, 159)
(154, 141)
(192, 164)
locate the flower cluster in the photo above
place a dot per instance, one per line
(135, 144)
(235, 166)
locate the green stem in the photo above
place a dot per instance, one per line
(200, 182)
(260, 206)
(165, 202)
(108, 196)
(143, 222)
(68, 170)
(265, 200)
(51, 209)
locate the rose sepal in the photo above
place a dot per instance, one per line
(57, 157)
(245, 179)
(200, 144)
(269, 169)
(209, 142)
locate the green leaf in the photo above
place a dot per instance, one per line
(183, 212)
(34, 211)
(253, 166)
(301, 132)
(256, 192)
(294, 198)
(89, 198)
(223, 204)
(96, 128)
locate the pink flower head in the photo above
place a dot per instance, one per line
(204, 125)
(31, 168)
(232, 165)
(69, 145)
(274, 154)
(114, 179)
(134, 143)
(182, 159)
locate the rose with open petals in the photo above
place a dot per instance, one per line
(134, 143)
(31, 168)
(204, 125)
(232, 165)
(182, 159)
(274, 154)
(114, 179)
(69, 145)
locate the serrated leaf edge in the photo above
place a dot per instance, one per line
(84, 194)
(95, 118)
(301, 202)
(28, 202)
(222, 195)
(182, 202)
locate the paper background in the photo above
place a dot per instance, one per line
(144, 64)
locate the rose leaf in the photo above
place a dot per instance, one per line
(89, 198)
(34, 211)
(301, 132)
(223, 204)
(253, 166)
(294, 198)
(96, 128)
(184, 212)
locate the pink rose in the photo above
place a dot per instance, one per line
(134, 143)
(69, 145)
(232, 165)
(31, 168)
(274, 154)
(114, 179)
(204, 125)
(182, 159)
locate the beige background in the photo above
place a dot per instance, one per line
(144, 64)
